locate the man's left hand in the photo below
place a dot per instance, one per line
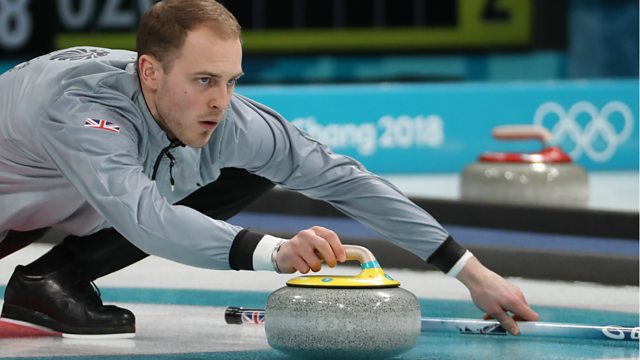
(496, 296)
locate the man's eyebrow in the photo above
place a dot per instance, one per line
(210, 74)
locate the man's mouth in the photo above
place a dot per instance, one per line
(208, 124)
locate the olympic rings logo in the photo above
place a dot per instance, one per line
(564, 126)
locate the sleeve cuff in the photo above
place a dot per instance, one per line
(447, 255)
(242, 249)
(264, 252)
(455, 270)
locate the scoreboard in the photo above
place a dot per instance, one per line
(30, 27)
(384, 25)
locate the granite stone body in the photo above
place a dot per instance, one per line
(537, 184)
(338, 323)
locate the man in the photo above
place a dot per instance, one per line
(151, 152)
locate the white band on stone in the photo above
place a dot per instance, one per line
(263, 254)
(455, 270)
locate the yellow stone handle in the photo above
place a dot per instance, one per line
(370, 268)
(370, 276)
(359, 253)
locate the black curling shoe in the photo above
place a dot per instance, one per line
(66, 302)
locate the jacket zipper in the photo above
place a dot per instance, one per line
(172, 161)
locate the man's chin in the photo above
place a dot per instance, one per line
(198, 142)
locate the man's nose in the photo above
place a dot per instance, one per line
(220, 97)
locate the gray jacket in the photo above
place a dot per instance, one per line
(78, 145)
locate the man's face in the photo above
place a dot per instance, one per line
(194, 93)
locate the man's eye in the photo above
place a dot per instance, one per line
(232, 82)
(204, 80)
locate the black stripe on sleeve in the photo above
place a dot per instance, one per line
(447, 255)
(242, 248)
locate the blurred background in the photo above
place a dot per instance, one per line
(413, 88)
(356, 41)
(432, 77)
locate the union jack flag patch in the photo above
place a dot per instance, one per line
(256, 317)
(101, 124)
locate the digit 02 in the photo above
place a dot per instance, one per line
(111, 14)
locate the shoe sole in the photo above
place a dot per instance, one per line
(18, 329)
(31, 318)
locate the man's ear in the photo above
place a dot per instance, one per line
(149, 71)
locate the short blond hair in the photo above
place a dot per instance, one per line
(163, 28)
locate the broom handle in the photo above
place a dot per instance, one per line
(238, 315)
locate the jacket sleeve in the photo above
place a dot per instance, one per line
(104, 168)
(281, 152)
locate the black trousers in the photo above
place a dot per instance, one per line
(107, 251)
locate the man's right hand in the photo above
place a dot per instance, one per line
(308, 249)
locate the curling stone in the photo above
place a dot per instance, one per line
(367, 316)
(548, 177)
